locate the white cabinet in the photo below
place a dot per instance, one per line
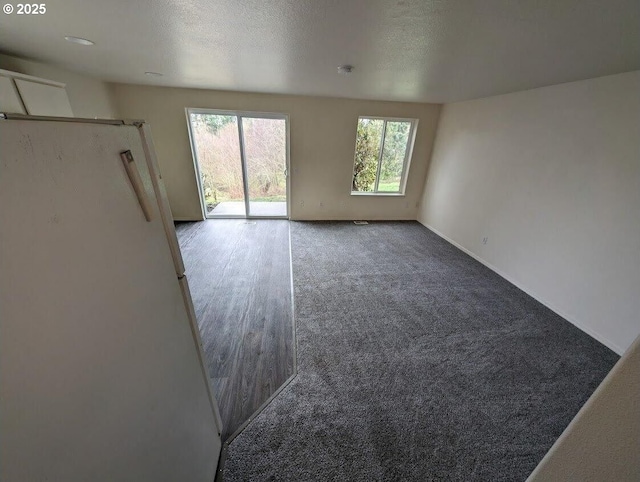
(25, 94)
(9, 98)
(44, 99)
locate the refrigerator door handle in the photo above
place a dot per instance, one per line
(134, 177)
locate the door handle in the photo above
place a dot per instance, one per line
(136, 182)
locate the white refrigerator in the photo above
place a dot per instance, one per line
(102, 375)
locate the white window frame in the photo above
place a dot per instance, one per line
(408, 155)
(239, 114)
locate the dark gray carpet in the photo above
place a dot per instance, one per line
(415, 362)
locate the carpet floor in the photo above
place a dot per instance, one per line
(415, 363)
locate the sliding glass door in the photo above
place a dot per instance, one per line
(241, 161)
(265, 154)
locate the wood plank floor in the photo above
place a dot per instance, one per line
(240, 279)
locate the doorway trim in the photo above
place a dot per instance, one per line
(239, 114)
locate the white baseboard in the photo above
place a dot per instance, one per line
(602, 339)
(350, 218)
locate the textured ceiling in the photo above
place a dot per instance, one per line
(410, 50)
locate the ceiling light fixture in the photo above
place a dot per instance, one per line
(345, 69)
(153, 74)
(79, 40)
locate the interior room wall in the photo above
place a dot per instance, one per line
(89, 97)
(322, 145)
(543, 186)
(601, 443)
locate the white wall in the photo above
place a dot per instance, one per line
(323, 133)
(603, 440)
(89, 97)
(551, 177)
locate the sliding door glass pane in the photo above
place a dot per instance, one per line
(218, 155)
(396, 140)
(265, 148)
(368, 142)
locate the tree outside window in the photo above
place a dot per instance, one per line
(382, 155)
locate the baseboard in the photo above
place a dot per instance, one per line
(602, 339)
(351, 218)
(185, 219)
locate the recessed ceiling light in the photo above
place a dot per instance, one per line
(153, 74)
(79, 40)
(345, 69)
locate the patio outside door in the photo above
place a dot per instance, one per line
(241, 161)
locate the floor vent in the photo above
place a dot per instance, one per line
(359, 223)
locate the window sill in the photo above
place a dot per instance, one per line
(381, 194)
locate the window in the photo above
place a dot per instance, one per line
(383, 152)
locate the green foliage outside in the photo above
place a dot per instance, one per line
(368, 143)
(393, 155)
(213, 123)
(367, 151)
(391, 186)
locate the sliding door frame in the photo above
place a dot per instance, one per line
(243, 161)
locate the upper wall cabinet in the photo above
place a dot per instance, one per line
(9, 98)
(24, 94)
